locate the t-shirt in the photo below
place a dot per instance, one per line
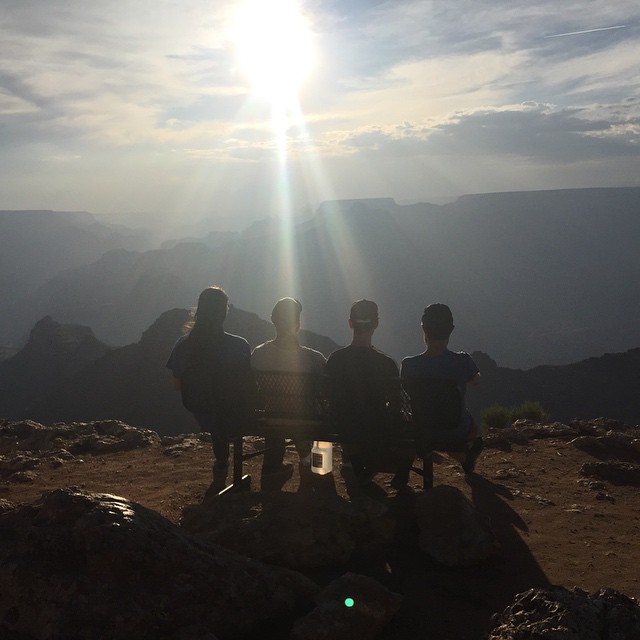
(231, 357)
(362, 389)
(233, 353)
(449, 365)
(270, 357)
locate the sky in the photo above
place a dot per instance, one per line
(237, 109)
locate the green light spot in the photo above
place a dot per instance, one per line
(349, 602)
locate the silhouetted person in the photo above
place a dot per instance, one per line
(438, 362)
(212, 370)
(365, 399)
(285, 353)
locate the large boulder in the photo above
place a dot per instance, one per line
(82, 565)
(289, 529)
(352, 606)
(570, 615)
(452, 531)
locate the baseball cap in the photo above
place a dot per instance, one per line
(363, 311)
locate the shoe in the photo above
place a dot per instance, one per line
(473, 453)
(219, 481)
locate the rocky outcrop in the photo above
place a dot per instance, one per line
(352, 606)
(568, 615)
(452, 531)
(614, 471)
(83, 565)
(289, 529)
(596, 434)
(54, 353)
(26, 445)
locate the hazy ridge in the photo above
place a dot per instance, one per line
(546, 277)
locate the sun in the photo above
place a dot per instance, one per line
(274, 46)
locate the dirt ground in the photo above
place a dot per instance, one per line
(553, 528)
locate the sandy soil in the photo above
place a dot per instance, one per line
(552, 527)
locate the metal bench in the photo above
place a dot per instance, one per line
(298, 405)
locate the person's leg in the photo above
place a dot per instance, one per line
(219, 440)
(402, 457)
(475, 447)
(274, 454)
(220, 445)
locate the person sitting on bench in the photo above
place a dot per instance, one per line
(286, 354)
(438, 363)
(365, 399)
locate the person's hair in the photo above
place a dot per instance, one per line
(363, 315)
(286, 314)
(437, 321)
(209, 315)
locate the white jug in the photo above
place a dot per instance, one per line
(322, 457)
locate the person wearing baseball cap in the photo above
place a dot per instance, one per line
(365, 394)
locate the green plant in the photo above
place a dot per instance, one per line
(496, 417)
(530, 410)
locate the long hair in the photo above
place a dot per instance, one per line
(206, 325)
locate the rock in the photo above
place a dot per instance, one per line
(612, 444)
(452, 531)
(176, 446)
(288, 529)
(595, 485)
(23, 477)
(508, 474)
(6, 505)
(84, 565)
(103, 436)
(535, 430)
(561, 614)
(590, 444)
(372, 606)
(614, 471)
(16, 464)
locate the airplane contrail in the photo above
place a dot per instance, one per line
(577, 33)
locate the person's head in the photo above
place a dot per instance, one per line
(212, 307)
(286, 316)
(437, 322)
(363, 318)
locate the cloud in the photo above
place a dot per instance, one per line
(529, 131)
(398, 83)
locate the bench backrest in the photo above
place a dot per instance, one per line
(429, 403)
(290, 396)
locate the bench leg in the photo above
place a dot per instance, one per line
(238, 481)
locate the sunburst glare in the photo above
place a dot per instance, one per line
(274, 46)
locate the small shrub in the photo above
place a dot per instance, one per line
(496, 417)
(530, 411)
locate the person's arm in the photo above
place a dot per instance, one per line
(473, 373)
